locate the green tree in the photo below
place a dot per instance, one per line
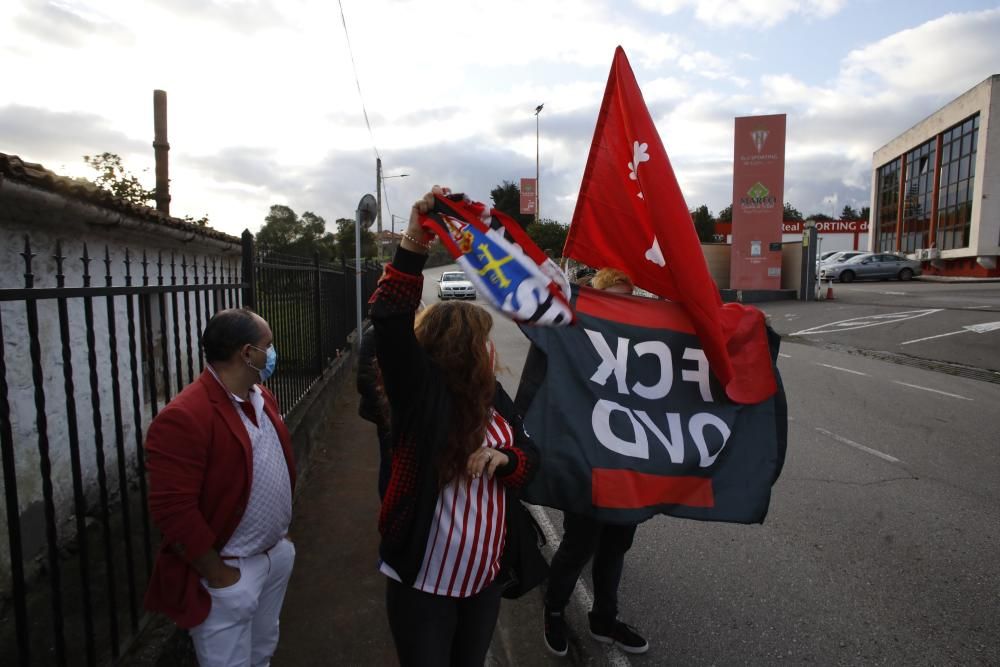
(201, 222)
(865, 213)
(704, 223)
(820, 217)
(548, 235)
(848, 214)
(507, 199)
(791, 213)
(726, 214)
(345, 239)
(286, 232)
(113, 177)
(281, 228)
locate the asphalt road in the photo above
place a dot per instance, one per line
(956, 323)
(882, 540)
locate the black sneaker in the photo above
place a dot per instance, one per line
(555, 632)
(618, 633)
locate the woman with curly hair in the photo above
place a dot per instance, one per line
(457, 447)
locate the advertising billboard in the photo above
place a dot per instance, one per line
(529, 194)
(758, 202)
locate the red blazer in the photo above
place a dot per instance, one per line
(200, 464)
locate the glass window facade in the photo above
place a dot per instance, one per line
(887, 206)
(919, 189)
(958, 175)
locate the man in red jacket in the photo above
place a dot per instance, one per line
(221, 475)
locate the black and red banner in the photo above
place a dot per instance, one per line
(633, 423)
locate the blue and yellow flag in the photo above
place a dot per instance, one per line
(502, 261)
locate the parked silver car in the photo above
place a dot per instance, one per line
(454, 285)
(834, 256)
(871, 265)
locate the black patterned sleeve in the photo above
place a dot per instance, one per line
(402, 361)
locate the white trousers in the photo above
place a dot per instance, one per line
(242, 627)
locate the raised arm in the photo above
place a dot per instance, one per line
(402, 361)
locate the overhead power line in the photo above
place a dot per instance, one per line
(357, 80)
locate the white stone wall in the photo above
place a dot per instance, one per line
(44, 234)
(986, 235)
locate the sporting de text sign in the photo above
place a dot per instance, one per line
(827, 226)
(758, 201)
(529, 195)
(632, 423)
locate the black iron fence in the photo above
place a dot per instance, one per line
(83, 369)
(311, 307)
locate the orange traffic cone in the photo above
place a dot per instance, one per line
(829, 289)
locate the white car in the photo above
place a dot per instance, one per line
(454, 285)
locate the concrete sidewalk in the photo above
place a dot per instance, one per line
(334, 610)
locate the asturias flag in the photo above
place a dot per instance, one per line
(501, 260)
(631, 215)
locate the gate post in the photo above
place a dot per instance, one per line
(317, 309)
(249, 272)
(807, 284)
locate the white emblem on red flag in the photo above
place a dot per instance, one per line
(639, 155)
(655, 255)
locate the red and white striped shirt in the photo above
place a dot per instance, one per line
(467, 536)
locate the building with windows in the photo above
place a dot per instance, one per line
(936, 188)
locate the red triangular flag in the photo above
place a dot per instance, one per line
(631, 215)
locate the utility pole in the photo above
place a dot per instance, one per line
(380, 178)
(538, 199)
(378, 201)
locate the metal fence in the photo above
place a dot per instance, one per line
(80, 541)
(311, 307)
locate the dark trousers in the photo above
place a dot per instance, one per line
(584, 538)
(384, 461)
(436, 630)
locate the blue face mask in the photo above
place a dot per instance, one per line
(271, 360)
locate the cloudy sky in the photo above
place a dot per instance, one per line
(264, 108)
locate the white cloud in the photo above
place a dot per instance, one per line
(750, 13)
(942, 57)
(264, 107)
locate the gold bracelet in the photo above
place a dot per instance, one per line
(414, 241)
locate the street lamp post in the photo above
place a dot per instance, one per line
(378, 190)
(392, 224)
(538, 199)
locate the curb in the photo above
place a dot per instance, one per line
(955, 279)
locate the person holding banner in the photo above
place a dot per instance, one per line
(458, 445)
(585, 537)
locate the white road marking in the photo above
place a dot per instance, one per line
(866, 321)
(985, 327)
(858, 445)
(936, 391)
(894, 293)
(846, 370)
(581, 594)
(977, 307)
(786, 356)
(920, 340)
